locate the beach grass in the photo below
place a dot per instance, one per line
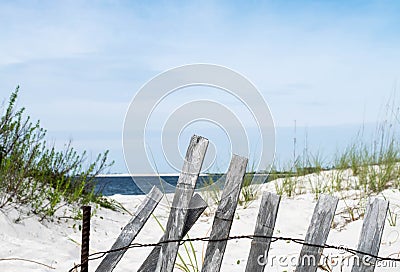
(34, 173)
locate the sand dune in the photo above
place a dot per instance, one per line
(57, 244)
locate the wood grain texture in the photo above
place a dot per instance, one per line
(264, 227)
(196, 207)
(183, 193)
(224, 214)
(317, 233)
(131, 230)
(371, 235)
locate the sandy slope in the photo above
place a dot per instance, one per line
(56, 244)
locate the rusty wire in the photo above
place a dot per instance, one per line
(101, 254)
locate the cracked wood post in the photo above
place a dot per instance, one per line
(317, 233)
(371, 235)
(183, 193)
(264, 227)
(224, 214)
(196, 207)
(131, 230)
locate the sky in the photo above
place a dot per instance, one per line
(328, 65)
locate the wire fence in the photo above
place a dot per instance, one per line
(101, 254)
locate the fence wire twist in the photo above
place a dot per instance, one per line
(101, 254)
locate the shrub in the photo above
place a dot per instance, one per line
(33, 173)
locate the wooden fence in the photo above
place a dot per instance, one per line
(187, 208)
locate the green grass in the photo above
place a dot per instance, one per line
(369, 167)
(35, 174)
(249, 191)
(211, 191)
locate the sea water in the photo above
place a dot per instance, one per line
(139, 185)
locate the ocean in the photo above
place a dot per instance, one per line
(139, 185)
(109, 185)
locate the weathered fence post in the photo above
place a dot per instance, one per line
(85, 238)
(264, 227)
(371, 235)
(180, 204)
(196, 207)
(317, 233)
(224, 215)
(131, 230)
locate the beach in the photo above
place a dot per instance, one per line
(55, 245)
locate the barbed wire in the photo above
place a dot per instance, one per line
(101, 254)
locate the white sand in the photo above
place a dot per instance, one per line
(57, 244)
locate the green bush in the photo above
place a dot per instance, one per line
(35, 174)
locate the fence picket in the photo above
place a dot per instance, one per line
(371, 235)
(180, 204)
(196, 207)
(264, 227)
(224, 214)
(317, 233)
(131, 230)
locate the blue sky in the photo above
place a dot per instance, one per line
(325, 64)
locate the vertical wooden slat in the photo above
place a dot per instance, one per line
(196, 207)
(264, 227)
(131, 230)
(224, 214)
(180, 204)
(317, 233)
(371, 235)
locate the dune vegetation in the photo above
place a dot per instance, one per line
(363, 169)
(35, 174)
